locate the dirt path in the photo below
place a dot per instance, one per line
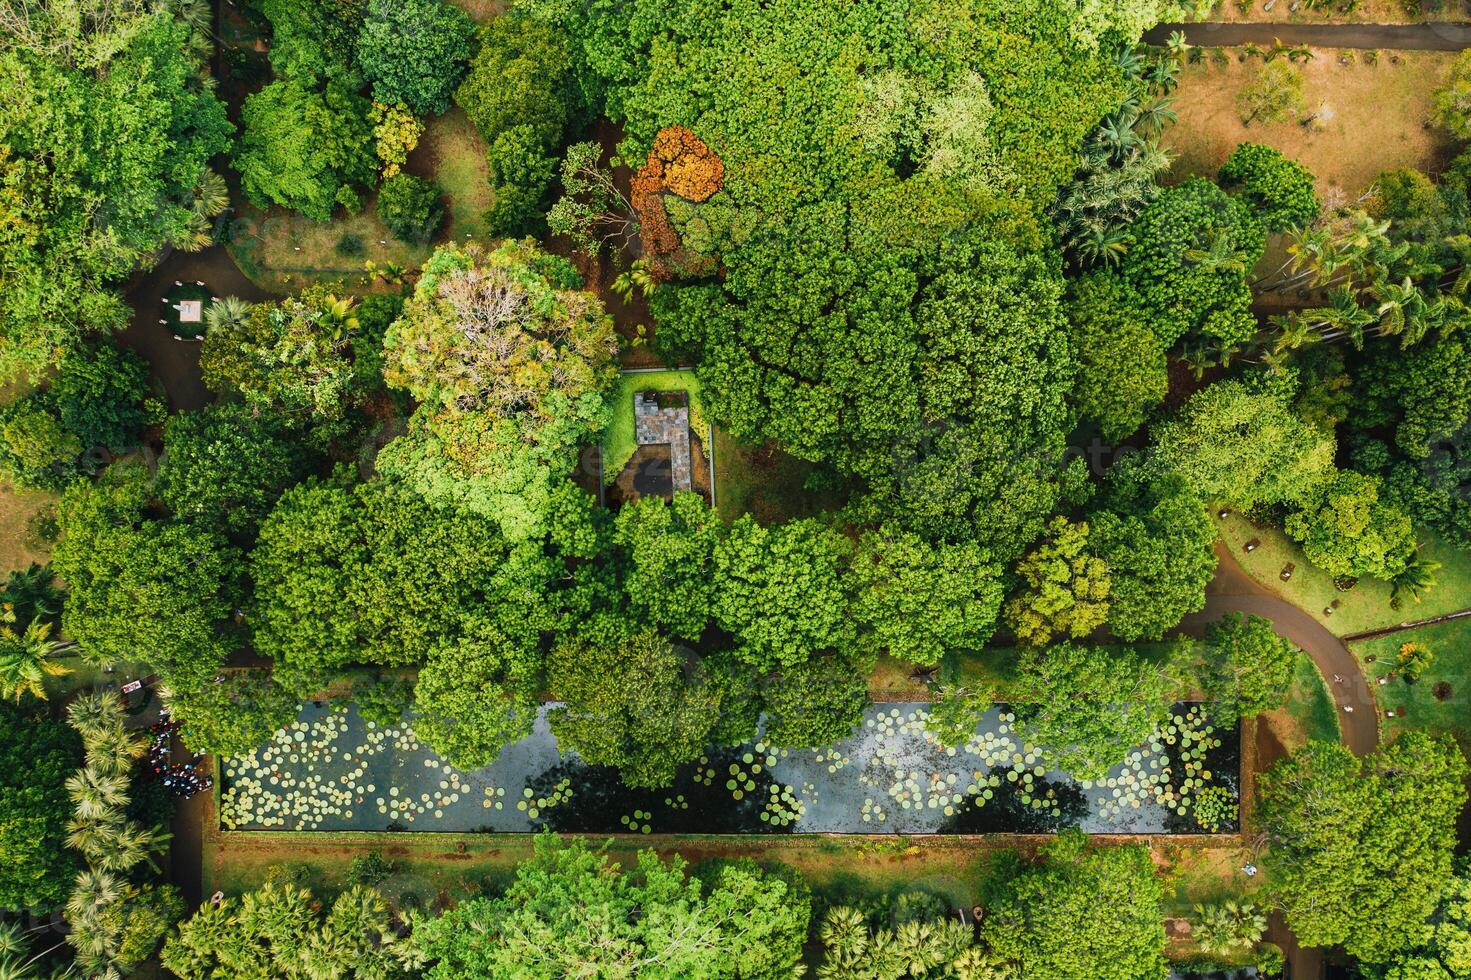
(1404, 37)
(176, 362)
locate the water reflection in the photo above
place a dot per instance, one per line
(333, 771)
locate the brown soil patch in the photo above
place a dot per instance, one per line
(1374, 117)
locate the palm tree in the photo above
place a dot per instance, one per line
(1156, 115)
(25, 660)
(226, 313)
(96, 795)
(196, 235)
(1103, 246)
(211, 195)
(1228, 927)
(1177, 46)
(31, 593)
(116, 750)
(1220, 255)
(337, 316)
(918, 946)
(844, 932)
(977, 963)
(638, 278)
(1418, 578)
(93, 714)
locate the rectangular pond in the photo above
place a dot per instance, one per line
(333, 771)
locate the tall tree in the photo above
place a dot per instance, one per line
(1280, 189)
(1080, 912)
(1065, 587)
(38, 753)
(304, 148)
(511, 361)
(1348, 530)
(1361, 847)
(1245, 446)
(108, 130)
(782, 591)
(1088, 707)
(570, 912)
(1159, 544)
(414, 52)
(1248, 665)
(669, 549)
(640, 705)
(141, 588)
(279, 930)
(920, 601)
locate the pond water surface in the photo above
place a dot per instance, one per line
(334, 771)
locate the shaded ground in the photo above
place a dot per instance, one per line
(1437, 36)
(1370, 118)
(175, 363)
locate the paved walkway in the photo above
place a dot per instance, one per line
(1444, 36)
(1233, 590)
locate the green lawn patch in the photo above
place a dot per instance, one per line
(767, 483)
(1451, 645)
(1362, 608)
(456, 163)
(620, 442)
(1310, 705)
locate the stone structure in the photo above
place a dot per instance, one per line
(655, 426)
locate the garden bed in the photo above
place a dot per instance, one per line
(1447, 709)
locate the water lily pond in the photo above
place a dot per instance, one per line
(333, 771)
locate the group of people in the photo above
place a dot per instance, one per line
(181, 779)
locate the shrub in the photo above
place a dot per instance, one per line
(101, 395)
(410, 207)
(1282, 190)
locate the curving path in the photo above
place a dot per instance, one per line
(1232, 590)
(1437, 36)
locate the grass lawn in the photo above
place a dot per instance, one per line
(17, 507)
(452, 154)
(766, 482)
(620, 442)
(1309, 712)
(1451, 645)
(1366, 605)
(1377, 119)
(282, 251)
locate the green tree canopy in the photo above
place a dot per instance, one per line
(815, 703)
(1282, 191)
(108, 127)
(640, 705)
(1080, 912)
(1248, 665)
(570, 911)
(920, 601)
(1361, 848)
(375, 575)
(283, 931)
(233, 716)
(1159, 544)
(511, 361)
(37, 753)
(225, 465)
(1191, 253)
(1065, 587)
(669, 549)
(1245, 446)
(100, 392)
(1347, 530)
(304, 148)
(522, 94)
(140, 588)
(291, 358)
(1088, 707)
(1122, 373)
(414, 51)
(782, 591)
